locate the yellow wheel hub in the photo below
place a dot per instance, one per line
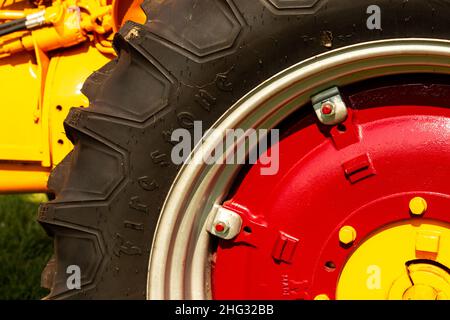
(407, 261)
(423, 281)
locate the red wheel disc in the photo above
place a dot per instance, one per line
(363, 171)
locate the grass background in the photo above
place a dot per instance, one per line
(24, 247)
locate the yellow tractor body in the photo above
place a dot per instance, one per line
(42, 70)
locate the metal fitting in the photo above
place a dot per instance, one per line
(322, 297)
(347, 235)
(329, 106)
(224, 223)
(418, 206)
(327, 109)
(35, 19)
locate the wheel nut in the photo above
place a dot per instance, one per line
(221, 227)
(321, 297)
(224, 223)
(347, 234)
(417, 206)
(327, 108)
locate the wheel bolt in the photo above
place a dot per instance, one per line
(418, 206)
(347, 234)
(321, 297)
(327, 108)
(221, 227)
(224, 223)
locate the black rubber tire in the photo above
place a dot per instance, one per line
(190, 61)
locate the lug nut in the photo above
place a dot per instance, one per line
(221, 227)
(347, 234)
(418, 206)
(327, 108)
(321, 297)
(224, 223)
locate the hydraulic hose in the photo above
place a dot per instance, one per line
(12, 26)
(30, 21)
(12, 23)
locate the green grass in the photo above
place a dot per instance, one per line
(24, 247)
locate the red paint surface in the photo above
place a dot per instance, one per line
(364, 176)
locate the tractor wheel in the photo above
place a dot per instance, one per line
(137, 230)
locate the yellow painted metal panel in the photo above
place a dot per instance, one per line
(23, 178)
(20, 123)
(66, 75)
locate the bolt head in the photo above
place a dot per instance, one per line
(322, 297)
(224, 223)
(417, 206)
(221, 227)
(347, 235)
(327, 108)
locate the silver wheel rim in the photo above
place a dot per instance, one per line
(179, 264)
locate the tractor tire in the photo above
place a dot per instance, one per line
(190, 61)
